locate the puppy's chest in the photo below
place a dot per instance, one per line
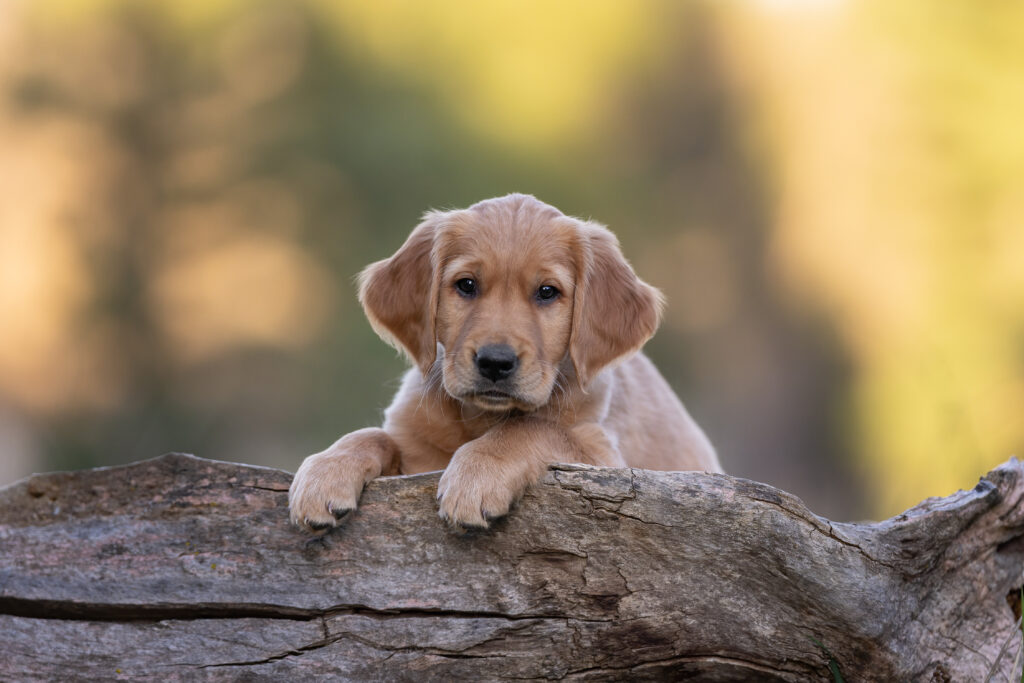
(430, 446)
(429, 432)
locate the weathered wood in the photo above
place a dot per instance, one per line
(180, 567)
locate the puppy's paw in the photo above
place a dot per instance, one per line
(474, 491)
(326, 489)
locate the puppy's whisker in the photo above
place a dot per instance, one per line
(429, 385)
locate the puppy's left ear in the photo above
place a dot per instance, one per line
(399, 294)
(614, 311)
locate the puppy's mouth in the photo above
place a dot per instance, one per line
(495, 399)
(493, 396)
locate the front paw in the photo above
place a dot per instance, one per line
(326, 488)
(474, 491)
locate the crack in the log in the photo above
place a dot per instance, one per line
(620, 513)
(274, 489)
(296, 652)
(392, 650)
(715, 660)
(632, 483)
(829, 533)
(439, 651)
(895, 567)
(596, 495)
(605, 503)
(403, 613)
(625, 581)
(90, 611)
(81, 611)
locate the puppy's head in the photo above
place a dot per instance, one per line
(516, 295)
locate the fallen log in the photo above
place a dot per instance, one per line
(180, 567)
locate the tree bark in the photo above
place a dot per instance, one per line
(180, 567)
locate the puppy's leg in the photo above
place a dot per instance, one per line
(328, 484)
(488, 474)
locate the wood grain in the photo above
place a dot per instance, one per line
(184, 568)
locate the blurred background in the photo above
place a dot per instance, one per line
(831, 195)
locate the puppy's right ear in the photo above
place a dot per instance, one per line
(399, 294)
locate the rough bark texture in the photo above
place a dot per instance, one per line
(180, 567)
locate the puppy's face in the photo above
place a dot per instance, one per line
(504, 306)
(513, 291)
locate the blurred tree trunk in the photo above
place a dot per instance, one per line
(180, 567)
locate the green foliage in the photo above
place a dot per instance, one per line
(833, 665)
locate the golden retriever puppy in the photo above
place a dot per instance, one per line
(524, 326)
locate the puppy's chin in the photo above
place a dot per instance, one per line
(495, 401)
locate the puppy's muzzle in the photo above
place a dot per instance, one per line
(496, 362)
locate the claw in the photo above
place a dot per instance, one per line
(461, 527)
(318, 526)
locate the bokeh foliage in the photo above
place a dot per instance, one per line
(830, 194)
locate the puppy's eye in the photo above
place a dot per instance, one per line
(547, 293)
(466, 286)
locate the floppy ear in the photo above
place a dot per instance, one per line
(614, 311)
(399, 294)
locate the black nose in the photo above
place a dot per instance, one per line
(496, 361)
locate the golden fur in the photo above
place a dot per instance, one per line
(580, 390)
